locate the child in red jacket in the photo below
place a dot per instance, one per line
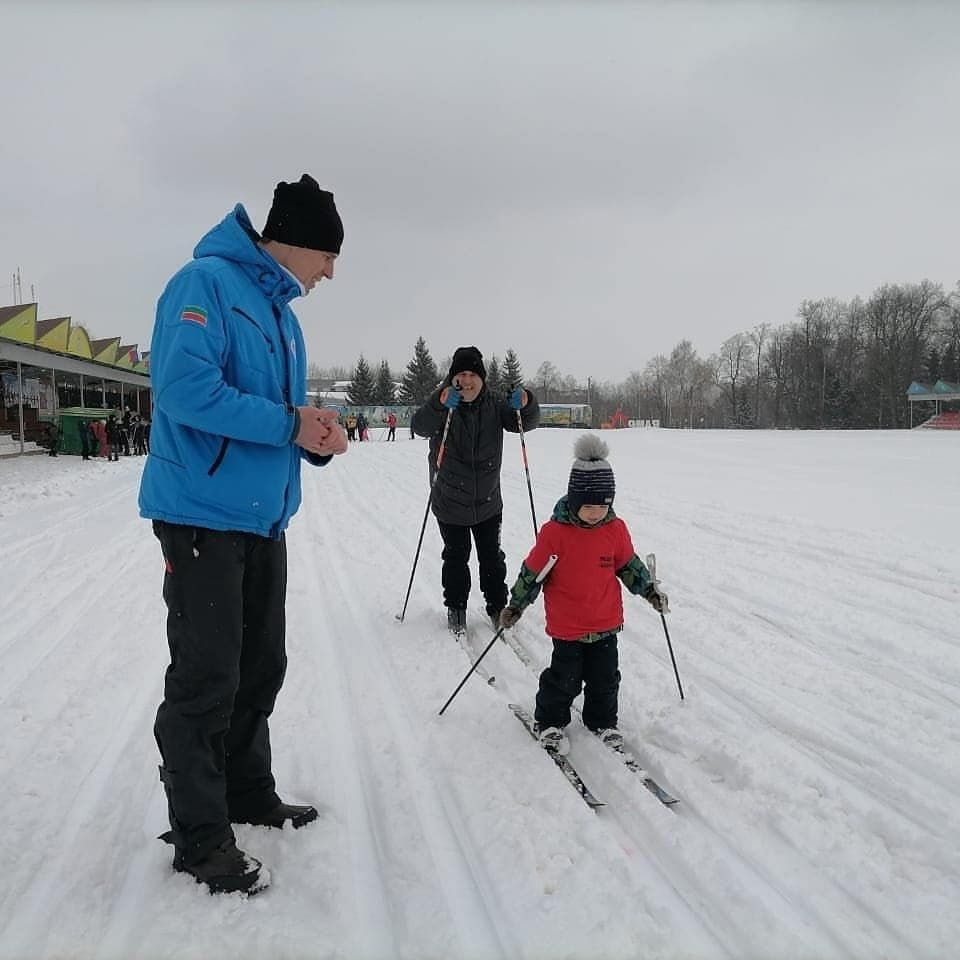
(582, 597)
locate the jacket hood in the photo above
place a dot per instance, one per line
(235, 239)
(563, 514)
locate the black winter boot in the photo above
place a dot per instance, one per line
(226, 869)
(456, 621)
(299, 815)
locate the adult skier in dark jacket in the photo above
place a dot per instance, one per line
(466, 496)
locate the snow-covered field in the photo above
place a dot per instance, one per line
(815, 586)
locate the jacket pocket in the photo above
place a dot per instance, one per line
(215, 466)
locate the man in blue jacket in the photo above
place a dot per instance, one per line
(230, 428)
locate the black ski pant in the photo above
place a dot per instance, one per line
(225, 595)
(593, 666)
(490, 558)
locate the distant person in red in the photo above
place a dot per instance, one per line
(391, 426)
(99, 430)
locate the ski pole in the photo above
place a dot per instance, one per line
(666, 633)
(652, 567)
(548, 566)
(426, 513)
(526, 467)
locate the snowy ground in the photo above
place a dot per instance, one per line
(815, 586)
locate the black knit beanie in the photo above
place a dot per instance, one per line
(467, 358)
(303, 215)
(591, 478)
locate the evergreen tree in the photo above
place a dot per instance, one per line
(361, 390)
(494, 376)
(421, 377)
(384, 391)
(512, 375)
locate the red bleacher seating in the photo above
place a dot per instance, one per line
(948, 420)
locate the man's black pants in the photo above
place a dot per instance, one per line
(595, 667)
(225, 595)
(456, 568)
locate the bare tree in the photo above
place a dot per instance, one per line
(732, 361)
(548, 378)
(757, 337)
(657, 375)
(900, 319)
(683, 376)
(634, 389)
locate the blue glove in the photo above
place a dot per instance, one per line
(452, 399)
(515, 399)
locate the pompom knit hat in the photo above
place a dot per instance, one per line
(591, 478)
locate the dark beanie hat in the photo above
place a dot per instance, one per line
(591, 479)
(467, 358)
(303, 215)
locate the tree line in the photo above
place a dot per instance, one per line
(838, 365)
(420, 378)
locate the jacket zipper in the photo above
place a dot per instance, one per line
(475, 427)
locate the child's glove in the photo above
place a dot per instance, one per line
(517, 398)
(657, 599)
(509, 616)
(450, 398)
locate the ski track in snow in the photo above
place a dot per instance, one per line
(816, 757)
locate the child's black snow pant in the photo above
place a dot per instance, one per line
(594, 666)
(490, 558)
(225, 595)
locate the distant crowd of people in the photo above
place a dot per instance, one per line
(358, 427)
(109, 438)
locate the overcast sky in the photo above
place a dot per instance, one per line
(588, 183)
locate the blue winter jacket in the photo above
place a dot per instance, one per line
(228, 369)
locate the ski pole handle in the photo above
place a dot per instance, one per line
(547, 567)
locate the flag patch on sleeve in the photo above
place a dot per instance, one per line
(195, 315)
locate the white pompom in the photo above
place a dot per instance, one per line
(590, 447)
